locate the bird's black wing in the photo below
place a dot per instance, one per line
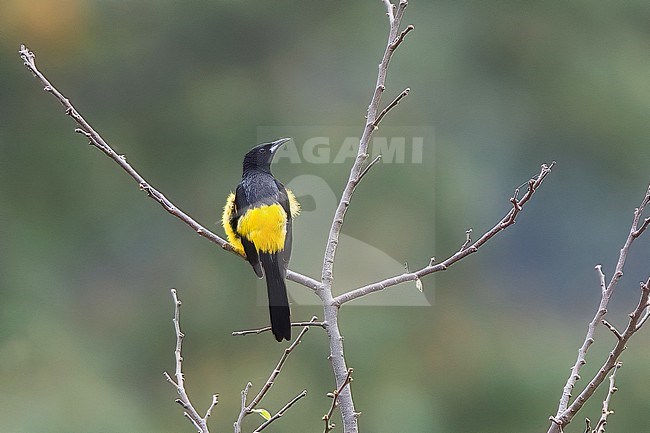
(241, 206)
(285, 254)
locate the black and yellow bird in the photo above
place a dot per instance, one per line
(257, 220)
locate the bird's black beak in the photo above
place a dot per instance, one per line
(277, 143)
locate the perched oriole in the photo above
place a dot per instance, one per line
(257, 219)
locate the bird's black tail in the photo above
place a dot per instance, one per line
(277, 292)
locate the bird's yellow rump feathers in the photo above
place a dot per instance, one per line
(294, 206)
(228, 210)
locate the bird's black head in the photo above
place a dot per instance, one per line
(261, 156)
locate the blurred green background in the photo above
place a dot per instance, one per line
(183, 88)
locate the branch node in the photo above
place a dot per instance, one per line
(395, 102)
(83, 132)
(368, 167)
(396, 43)
(197, 420)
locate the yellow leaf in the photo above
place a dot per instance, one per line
(263, 413)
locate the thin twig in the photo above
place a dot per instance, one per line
(247, 409)
(606, 411)
(644, 318)
(394, 103)
(468, 239)
(369, 166)
(215, 401)
(401, 7)
(201, 423)
(508, 220)
(268, 328)
(612, 328)
(243, 412)
(96, 140)
(602, 278)
(281, 411)
(271, 380)
(335, 398)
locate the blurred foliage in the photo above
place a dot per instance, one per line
(182, 89)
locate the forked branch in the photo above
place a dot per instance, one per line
(465, 250)
(567, 409)
(373, 118)
(358, 170)
(248, 408)
(200, 422)
(394, 103)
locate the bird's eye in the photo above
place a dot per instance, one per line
(262, 150)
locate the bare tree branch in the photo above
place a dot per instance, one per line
(559, 421)
(200, 422)
(96, 140)
(303, 280)
(247, 409)
(464, 251)
(567, 409)
(330, 309)
(394, 39)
